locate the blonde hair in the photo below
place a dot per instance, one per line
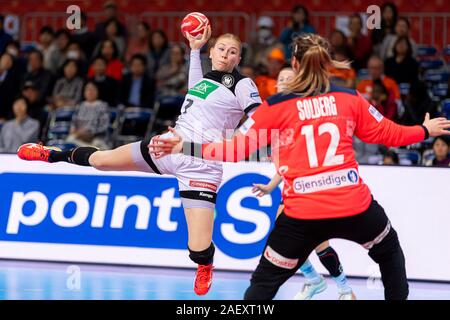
(232, 37)
(313, 56)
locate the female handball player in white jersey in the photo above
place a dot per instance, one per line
(212, 109)
(314, 283)
(324, 195)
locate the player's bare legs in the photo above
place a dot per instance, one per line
(119, 159)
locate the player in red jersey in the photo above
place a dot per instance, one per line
(312, 124)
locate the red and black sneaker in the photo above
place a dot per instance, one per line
(203, 279)
(35, 152)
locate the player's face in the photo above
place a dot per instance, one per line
(225, 55)
(283, 77)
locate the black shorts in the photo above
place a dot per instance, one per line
(292, 240)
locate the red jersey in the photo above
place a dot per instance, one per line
(313, 136)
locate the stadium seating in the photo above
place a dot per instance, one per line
(446, 108)
(363, 74)
(431, 64)
(62, 144)
(59, 130)
(435, 76)
(427, 156)
(404, 88)
(425, 51)
(59, 123)
(134, 124)
(166, 109)
(408, 157)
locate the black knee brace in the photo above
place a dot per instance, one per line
(389, 255)
(81, 155)
(204, 257)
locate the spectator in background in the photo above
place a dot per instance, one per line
(46, 45)
(70, 86)
(91, 120)
(402, 67)
(159, 54)
(383, 101)
(248, 71)
(112, 34)
(376, 71)
(267, 84)
(9, 85)
(298, 25)
(263, 43)
(390, 157)
(339, 41)
(114, 67)
(137, 89)
(401, 30)
(58, 56)
(342, 77)
(441, 149)
(140, 43)
(172, 80)
(389, 14)
(359, 44)
(41, 78)
(22, 129)
(417, 103)
(108, 87)
(74, 52)
(5, 38)
(111, 13)
(85, 38)
(20, 62)
(35, 106)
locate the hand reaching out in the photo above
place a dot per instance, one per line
(436, 126)
(161, 147)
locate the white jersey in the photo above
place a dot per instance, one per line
(215, 104)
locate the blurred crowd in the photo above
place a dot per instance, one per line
(107, 86)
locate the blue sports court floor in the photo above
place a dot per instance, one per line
(60, 281)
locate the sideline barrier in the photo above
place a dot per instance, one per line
(60, 212)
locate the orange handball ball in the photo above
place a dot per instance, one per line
(194, 23)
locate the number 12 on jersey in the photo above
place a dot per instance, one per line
(330, 157)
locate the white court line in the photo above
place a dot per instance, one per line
(33, 290)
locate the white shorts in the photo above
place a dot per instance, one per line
(198, 180)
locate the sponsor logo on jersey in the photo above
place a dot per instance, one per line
(254, 95)
(325, 181)
(202, 184)
(375, 113)
(203, 89)
(228, 80)
(279, 260)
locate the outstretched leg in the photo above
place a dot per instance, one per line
(120, 159)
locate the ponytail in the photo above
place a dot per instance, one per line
(312, 77)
